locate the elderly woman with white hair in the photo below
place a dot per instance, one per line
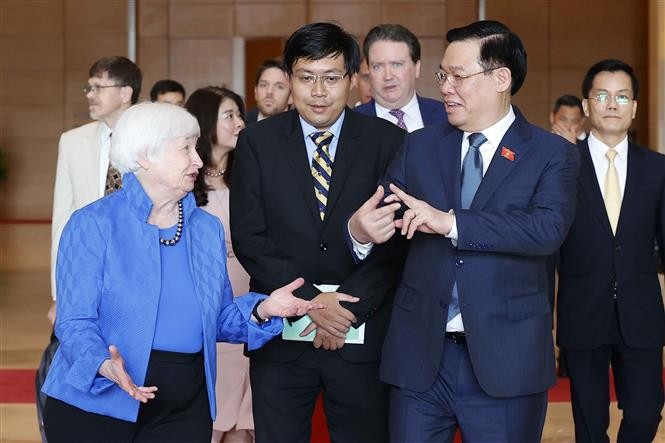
(144, 295)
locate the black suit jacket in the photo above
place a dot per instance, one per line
(279, 236)
(593, 259)
(252, 115)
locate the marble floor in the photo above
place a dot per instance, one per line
(24, 332)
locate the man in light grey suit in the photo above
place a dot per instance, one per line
(83, 153)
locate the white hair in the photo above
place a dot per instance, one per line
(144, 130)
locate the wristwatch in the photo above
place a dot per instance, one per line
(255, 313)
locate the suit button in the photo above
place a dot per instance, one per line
(323, 247)
(617, 248)
(459, 262)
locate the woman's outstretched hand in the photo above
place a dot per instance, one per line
(114, 370)
(282, 302)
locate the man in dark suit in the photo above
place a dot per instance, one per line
(393, 56)
(297, 177)
(271, 91)
(610, 310)
(488, 198)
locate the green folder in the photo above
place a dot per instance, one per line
(292, 330)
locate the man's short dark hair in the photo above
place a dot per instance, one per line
(165, 86)
(499, 47)
(268, 64)
(393, 33)
(609, 65)
(120, 69)
(320, 40)
(568, 100)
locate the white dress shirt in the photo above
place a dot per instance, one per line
(104, 152)
(412, 118)
(598, 149)
(494, 135)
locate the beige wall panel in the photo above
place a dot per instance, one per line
(460, 13)
(268, 20)
(200, 19)
(75, 115)
(269, 2)
(153, 18)
(354, 18)
(31, 163)
(32, 51)
(30, 121)
(30, 87)
(423, 19)
(582, 38)
(153, 56)
(35, 17)
(96, 18)
(533, 97)
(25, 247)
(82, 50)
(529, 20)
(75, 81)
(565, 81)
(201, 62)
(431, 53)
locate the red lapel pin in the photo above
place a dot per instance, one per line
(507, 154)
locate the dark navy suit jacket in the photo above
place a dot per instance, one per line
(431, 110)
(520, 215)
(593, 259)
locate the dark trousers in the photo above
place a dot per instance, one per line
(638, 379)
(457, 400)
(179, 412)
(284, 395)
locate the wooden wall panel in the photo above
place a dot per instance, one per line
(423, 19)
(47, 46)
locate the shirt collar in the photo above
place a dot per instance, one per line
(335, 128)
(495, 133)
(598, 149)
(408, 108)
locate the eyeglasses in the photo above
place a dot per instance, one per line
(96, 88)
(619, 99)
(328, 80)
(456, 79)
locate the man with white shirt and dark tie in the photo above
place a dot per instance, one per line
(610, 310)
(393, 56)
(487, 198)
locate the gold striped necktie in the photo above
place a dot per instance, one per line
(322, 169)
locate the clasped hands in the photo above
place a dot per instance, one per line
(376, 224)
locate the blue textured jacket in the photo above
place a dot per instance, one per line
(108, 279)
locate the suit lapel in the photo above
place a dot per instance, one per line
(347, 150)
(589, 185)
(634, 177)
(296, 154)
(449, 153)
(500, 167)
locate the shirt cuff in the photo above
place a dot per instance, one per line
(361, 250)
(452, 235)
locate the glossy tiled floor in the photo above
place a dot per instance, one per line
(24, 332)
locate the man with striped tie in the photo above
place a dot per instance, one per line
(297, 177)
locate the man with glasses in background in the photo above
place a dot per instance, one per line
(610, 310)
(83, 153)
(488, 198)
(393, 57)
(297, 177)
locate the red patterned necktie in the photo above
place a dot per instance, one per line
(399, 115)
